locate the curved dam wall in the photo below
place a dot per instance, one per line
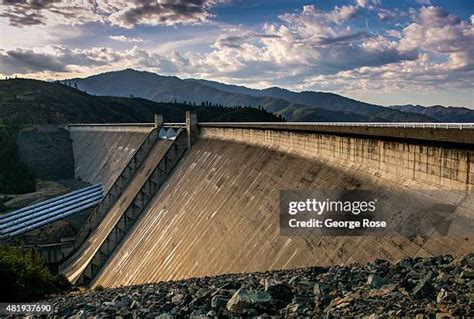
(101, 152)
(219, 212)
(422, 161)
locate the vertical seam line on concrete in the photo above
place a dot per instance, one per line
(468, 171)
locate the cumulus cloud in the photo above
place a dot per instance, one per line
(236, 38)
(26, 61)
(312, 41)
(311, 49)
(385, 14)
(121, 13)
(368, 3)
(56, 59)
(446, 59)
(316, 49)
(437, 31)
(123, 38)
(167, 12)
(39, 12)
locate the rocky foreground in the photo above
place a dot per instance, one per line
(438, 287)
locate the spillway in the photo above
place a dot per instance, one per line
(89, 248)
(218, 211)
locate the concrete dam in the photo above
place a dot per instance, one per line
(198, 199)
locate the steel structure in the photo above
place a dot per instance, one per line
(40, 214)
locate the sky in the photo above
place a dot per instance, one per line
(380, 51)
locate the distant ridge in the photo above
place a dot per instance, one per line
(303, 106)
(24, 101)
(439, 112)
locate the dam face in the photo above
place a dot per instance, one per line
(218, 211)
(101, 152)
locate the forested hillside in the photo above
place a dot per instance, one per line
(25, 101)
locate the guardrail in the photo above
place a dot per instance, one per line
(351, 124)
(181, 124)
(451, 134)
(357, 124)
(174, 125)
(151, 125)
(32, 217)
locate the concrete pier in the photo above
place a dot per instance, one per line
(192, 127)
(158, 121)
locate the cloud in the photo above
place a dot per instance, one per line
(446, 59)
(126, 14)
(306, 43)
(56, 59)
(435, 17)
(310, 49)
(168, 12)
(40, 12)
(347, 38)
(439, 32)
(123, 38)
(368, 3)
(26, 61)
(423, 2)
(236, 38)
(316, 49)
(317, 19)
(385, 14)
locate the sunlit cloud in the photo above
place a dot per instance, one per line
(425, 48)
(126, 14)
(123, 38)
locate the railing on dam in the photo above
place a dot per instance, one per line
(141, 200)
(123, 126)
(290, 124)
(357, 124)
(346, 124)
(457, 133)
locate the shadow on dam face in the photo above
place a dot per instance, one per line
(219, 211)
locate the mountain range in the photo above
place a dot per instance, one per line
(293, 106)
(24, 101)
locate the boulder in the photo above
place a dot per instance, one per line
(247, 299)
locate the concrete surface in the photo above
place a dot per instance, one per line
(80, 259)
(101, 153)
(218, 213)
(392, 131)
